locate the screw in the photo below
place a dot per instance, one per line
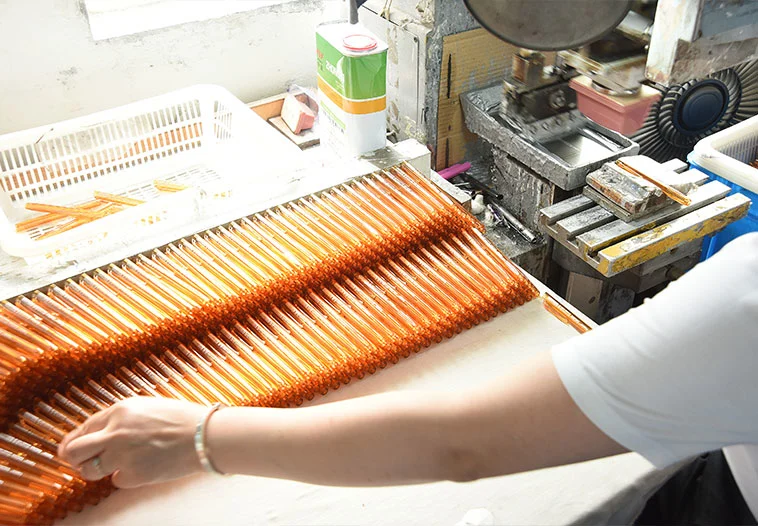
(557, 100)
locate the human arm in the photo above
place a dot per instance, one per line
(526, 420)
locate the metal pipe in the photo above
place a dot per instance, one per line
(514, 223)
(476, 184)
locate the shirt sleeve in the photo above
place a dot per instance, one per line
(677, 376)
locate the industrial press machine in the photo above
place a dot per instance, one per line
(594, 82)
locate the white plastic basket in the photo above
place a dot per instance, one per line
(201, 137)
(728, 153)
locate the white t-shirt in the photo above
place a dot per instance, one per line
(678, 376)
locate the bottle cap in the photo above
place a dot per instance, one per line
(359, 43)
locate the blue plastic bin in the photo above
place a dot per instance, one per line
(712, 244)
(725, 157)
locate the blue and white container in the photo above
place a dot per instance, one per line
(726, 156)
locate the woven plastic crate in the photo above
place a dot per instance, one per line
(201, 138)
(726, 156)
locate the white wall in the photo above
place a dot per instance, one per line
(53, 70)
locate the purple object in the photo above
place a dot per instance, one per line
(456, 169)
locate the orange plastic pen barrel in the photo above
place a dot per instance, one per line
(670, 191)
(64, 210)
(173, 380)
(118, 199)
(166, 186)
(192, 380)
(250, 359)
(73, 319)
(163, 386)
(101, 308)
(563, 314)
(63, 334)
(217, 382)
(237, 377)
(49, 218)
(185, 288)
(26, 329)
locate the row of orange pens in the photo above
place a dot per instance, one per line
(268, 311)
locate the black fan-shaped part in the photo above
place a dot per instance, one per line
(732, 83)
(697, 108)
(748, 76)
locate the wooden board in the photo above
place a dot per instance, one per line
(563, 209)
(270, 109)
(470, 60)
(617, 230)
(305, 139)
(584, 222)
(660, 240)
(272, 106)
(611, 246)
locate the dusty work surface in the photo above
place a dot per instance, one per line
(593, 492)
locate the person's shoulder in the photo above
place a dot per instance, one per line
(743, 249)
(740, 268)
(732, 272)
(749, 241)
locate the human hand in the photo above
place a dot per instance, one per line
(139, 440)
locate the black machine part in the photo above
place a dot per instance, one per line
(353, 10)
(549, 25)
(697, 108)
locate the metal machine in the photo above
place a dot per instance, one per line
(542, 146)
(697, 57)
(556, 119)
(533, 93)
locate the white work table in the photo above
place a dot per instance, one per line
(597, 492)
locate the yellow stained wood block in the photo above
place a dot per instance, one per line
(660, 240)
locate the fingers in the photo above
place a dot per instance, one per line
(139, 441)
(98, 467)
(94, 423)
(83, 448)
(128, 479)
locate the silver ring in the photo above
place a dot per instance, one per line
(97, 463)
